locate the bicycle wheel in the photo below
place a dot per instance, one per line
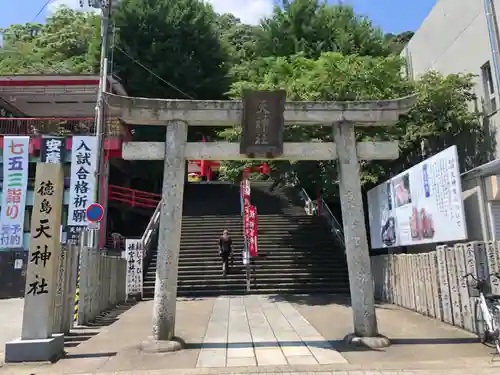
(481, 326)
(495, 316)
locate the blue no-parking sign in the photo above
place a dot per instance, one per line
(95, 213)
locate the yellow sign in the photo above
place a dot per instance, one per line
(44, 252)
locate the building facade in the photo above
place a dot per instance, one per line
(36, 112)
(462, 36)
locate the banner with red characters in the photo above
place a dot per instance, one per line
(252, 231)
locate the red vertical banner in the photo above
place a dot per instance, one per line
(252, 231)
(246, 205)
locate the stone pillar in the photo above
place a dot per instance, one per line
(358, 258)
(170, 232)
(37, 343)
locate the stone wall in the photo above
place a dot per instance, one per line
(432, 283)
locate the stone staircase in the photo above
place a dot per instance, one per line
(297, 253)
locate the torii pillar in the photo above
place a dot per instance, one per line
(176, 115)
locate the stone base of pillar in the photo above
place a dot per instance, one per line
(41, 350)
(377, 342)
(159, 346)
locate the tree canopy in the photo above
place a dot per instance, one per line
(313, 50)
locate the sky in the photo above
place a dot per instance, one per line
(393, 16)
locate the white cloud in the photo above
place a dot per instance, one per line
(248, 11)
(73, 4)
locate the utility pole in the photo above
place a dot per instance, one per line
(100, 120)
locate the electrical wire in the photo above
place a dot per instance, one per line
(154, 74)
(42, 9)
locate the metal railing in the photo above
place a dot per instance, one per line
(152, 226)
(335, 226)
(309, 204)
(311, 208)
(61, 126)
(133, 197)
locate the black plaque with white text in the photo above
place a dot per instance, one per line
(262, 123)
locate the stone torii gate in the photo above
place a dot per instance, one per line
(176, 115)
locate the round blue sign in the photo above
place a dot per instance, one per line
(95, 212)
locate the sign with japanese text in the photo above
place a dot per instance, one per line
(53, 150)
(252, 231)
(246, 208)
(263, 123)
(15, 186)
(419, 206)
(73, 234)
(134, 257)
(44, 252)
(83, 169)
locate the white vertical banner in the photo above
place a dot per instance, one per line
(15, 186)
(83, 179)
(134, 257)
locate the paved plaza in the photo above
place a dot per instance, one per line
(258, 331)
(11, 317)
(260, 334)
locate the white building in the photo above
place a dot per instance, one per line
(462, 36)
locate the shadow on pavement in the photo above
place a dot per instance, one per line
(338, 345)
(320, 300)
(108, 317)
(81, 334)
(89, 355)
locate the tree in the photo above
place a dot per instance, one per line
(312, 27)
(399, 41)
(239, 39)
(175, 39)
(440, 118)
(63, 44)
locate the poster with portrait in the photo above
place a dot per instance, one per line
(419, 206)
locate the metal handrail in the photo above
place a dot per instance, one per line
(335, 226)
(310, 205)
(150, 229)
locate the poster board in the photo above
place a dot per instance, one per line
(421, 205)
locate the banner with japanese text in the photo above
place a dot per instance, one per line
(252, 231)
(134, 257)
(53, 149)
(15, 186)
(83, 169)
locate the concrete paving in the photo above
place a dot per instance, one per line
(267, 334)
(414, 337)
(257, 331)
(11, 317)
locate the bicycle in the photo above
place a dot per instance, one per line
(486, 310)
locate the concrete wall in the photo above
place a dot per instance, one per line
(475, 209)
(454, 38)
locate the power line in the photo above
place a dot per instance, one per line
(154, 74)
(42, 9)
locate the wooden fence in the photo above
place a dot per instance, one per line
(432, 283)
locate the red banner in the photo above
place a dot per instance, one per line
(252, 231)
(246, 214)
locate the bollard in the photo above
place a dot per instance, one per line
(68, 289)
(84, 285)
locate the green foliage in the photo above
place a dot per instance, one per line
(440, 118)
(62, 45)
(176, 39)
(312, 27)
(313, 50)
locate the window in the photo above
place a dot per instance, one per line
(489, 89)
